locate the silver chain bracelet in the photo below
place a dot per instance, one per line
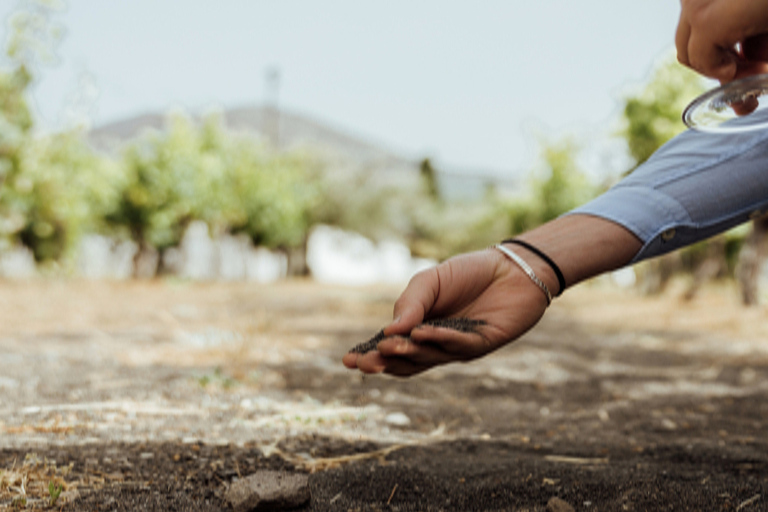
(527, 269)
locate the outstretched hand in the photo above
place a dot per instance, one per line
(482, 285)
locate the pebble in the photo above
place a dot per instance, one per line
(268, 490)
(555, 504)
(398, 418)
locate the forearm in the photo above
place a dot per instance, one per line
(694, 187)
(582, 246)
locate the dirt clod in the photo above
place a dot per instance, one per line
(457, 323)
(268, 490)
(555, 504)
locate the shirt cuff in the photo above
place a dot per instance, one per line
(694, 187)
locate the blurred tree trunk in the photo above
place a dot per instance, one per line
(654, 275)
(715, 264)
(297, 259)
(145, 261)
(750, 261)
(429, 178)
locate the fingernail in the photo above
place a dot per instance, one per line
(396, 320)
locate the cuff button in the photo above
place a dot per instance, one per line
(668, 235)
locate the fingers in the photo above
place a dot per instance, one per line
(702, 44)
(350, 360)
(405, 368)
(459, 346)
(370, 362)
(751, 103)
(375, 362)
(722, 38)
(403, 357)
(682, 36)
(414, 303)
(711, 60)
(428, 347)
(416, 353)
(742, 108)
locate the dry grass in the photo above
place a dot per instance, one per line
(28, 484)
(716, 310)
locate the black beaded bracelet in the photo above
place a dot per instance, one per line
(547, 259)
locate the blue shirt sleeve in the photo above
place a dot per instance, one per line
(695, 186)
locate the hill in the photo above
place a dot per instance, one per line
(289, 130)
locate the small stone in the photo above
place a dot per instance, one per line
(268, 490)
(398, 418)
(555, 504)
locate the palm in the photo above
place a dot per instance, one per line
(481, 286)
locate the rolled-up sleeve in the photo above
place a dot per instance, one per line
(694, 187)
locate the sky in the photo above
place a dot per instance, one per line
(473, 85)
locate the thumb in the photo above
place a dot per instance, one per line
(415, 302)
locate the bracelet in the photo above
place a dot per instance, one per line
(527, 269)
(547, 259)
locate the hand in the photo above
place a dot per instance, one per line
(482, 285)
(723, 39)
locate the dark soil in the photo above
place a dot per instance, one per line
(147, 393)
(462, 475)
(459, 324)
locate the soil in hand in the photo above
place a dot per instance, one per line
(456, 323)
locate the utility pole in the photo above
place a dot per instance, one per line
(272, 107)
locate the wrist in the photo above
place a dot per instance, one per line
(538, 253)
(582, 246)
(540, 268)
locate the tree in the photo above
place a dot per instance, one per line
(199, 171)
(557, 187)
(60, 192)
(653, 116)
(48, 184)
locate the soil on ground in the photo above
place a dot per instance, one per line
(158, 395)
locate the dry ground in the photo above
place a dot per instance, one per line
(156, 395)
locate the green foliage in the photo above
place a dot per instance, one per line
(439, 230)
(43, 203)
(33, 33)
(54, 491)
(274, 196)
(350, 199)
(429, 178)
(160, 181)
(653, 116)
(60, 191)
(192, 172)
(435, 228)
(556, 188)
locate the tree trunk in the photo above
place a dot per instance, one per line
(145, 261)
(297, 259)
(750, 262)
(654, 275)
(713, 265)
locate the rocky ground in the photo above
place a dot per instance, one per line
(160, 395)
